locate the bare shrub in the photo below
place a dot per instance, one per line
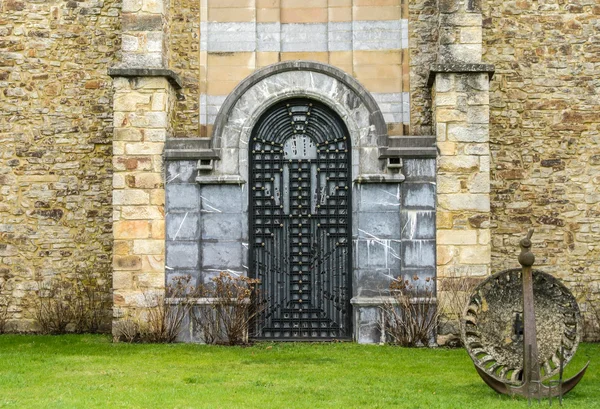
(232, 305)
(92, 300)
(453, 296)
(159, 321)
(77, 304)
(411, 316)
(589, 303)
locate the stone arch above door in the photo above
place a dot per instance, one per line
(338, 90)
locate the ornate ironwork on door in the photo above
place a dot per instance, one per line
(300, 227)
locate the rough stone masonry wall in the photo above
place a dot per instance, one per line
(55, 141)
(545, 133)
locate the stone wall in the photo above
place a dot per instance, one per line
(55, 138)
(545, 133)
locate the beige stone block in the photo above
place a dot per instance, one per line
(445, 254)
(157, 163)
(479, 183)
(151, 280)
(231, 73)
(382, 84)
(340, 14)
(459, 163)
(230, 3)
(385, 57)
(221, 87)
(153, 263)
(474, 255)
(157, 197)
(158, 229)
(147, 247)
(444, 220)
(266, 58)
(131, 229)
(441, 132)
(154, 135)
(375, 3)
(118, 181)
(131, 6)
(312, 56)
(231, 14)
(446, 99)
(122, 247)
(144, 148)
(142, 212)
(448, 184)
(377, 13)
(340, 3)
(478, 149)
(129, 263)
(456, 237)
(340, 58)
(295, 4)
(130, 197)
(485, 236)
(159, 101)
(471, 35)
(151, 83)
(449, 115)
(128, 134)
(122, 280)
(447, 148)
(268, 3)
(464, 201)
(377, 71)
(240, 59)
(149, 119)
(478, 114)
(304, 15)
(484, 163)
(121, 84)
(153, 6)
(123, 163)
(270, 15)
(145, 180)
(118, 148)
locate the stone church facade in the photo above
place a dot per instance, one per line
(326, 147)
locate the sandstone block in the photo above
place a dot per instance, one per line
(468, 133)
(445, 254)
(131, 229)
(479, 183)
(471, 35)
(154, 263)
(448, 184)
(464, 201)
(144, 148)
(142, 212)
(447, 148)
(148, 246)
(131, 101)
(476, 254)
(130, 197)
(128, 134)
(449, 115)
(457, 237)
(459, 163)
(158, 229)
(130, 263)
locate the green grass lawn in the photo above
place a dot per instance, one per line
(88, 371)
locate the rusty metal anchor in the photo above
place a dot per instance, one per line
(531, 386)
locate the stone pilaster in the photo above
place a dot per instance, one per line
(144, 41)
(142, 110)
(460, 104)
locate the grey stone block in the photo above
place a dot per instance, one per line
(373, 253)
(223, 226)
(222, 255)
(417, 224)
(379, 197)
(418, 196)
(379, 226)
(222, 198)
(418, 253)
(183, 226)
(181, 171)
(182, 255)
(419, 170)
(367, 325)
(372, 282)
(182, 197)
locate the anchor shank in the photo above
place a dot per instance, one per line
(531, 367)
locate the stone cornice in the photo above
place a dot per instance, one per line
(459, 67)
(170, 75)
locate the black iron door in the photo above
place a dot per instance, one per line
(300, 232)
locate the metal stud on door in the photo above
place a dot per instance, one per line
(300, 221)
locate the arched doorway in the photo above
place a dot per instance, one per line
(300, 221)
